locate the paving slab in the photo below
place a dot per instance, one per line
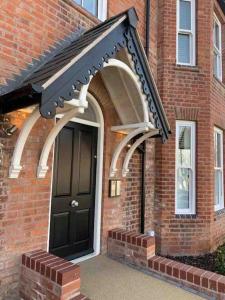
(105, 279)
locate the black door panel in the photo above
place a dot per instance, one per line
(73, 197)
(60, 226)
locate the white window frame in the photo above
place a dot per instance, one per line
(101, 9)
(221, 201)
(217, 51)
(192, 209)
(191, 33)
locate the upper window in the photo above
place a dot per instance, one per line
(218, 169)
(217, 59)
(186, 32)
(96, 7)
(185, 167)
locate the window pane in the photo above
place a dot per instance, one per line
(91, 6)
(185, 15)
(215, 64)
(216, 35)
(218, 150)
(78, 2)
(184, 48)
(184, 146)
(183, 188)
(218, 186)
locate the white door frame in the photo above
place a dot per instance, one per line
(99, 175)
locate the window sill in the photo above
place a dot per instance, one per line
(219, 81)
(186, 68)
(219, 212)
(185, 216)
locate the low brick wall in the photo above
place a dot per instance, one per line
(134, 248)
(204, 281)
(46, 276)
(139, 250)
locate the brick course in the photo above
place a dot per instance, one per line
(27, 30)
(211, 284)
(131, 247)
(190, 93)
(42, 279)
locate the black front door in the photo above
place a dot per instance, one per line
(73, 195)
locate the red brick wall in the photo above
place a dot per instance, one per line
(131, 247)
(185, 88)
(115, 7)
(26, 200)
(132, 195)
(24, 203)
(217, 119)
(29, 28)
(134, 183)
(46, 276)
(123, 211)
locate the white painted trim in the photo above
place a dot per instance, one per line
(221, 200)
(51, 192)
(42, 167)
(138, 142)
(121, 66)
(81, 54)
(102, 10)
(192, 209)
(80, 121)
(218, 51)
(99, 176)
(15, 166)
(126, 128)
(191, 33)
(120, 147)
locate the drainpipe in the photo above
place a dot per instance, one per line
(147, 27)
(143, 150)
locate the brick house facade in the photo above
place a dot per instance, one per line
(30, 28)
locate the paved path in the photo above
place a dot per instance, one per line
(106, 279)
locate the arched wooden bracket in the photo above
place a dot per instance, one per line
(138, 142)
(122, 144)
(79, 103)
(82, 94)
(15, 166)
(42, 167)
(80, 99)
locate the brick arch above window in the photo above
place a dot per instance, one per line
(186, 113)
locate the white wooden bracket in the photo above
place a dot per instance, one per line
(138, 142)
(121, 145)
(42, 167)
(15, 166)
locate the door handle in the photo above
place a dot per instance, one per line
(74, 203)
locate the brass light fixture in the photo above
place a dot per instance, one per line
(7, 129)
(1, 154)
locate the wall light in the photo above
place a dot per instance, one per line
(1, 154)
(6, 127)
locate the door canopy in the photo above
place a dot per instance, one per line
(61, 85)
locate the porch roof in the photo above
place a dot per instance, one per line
(222, 5)
(62, 77)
